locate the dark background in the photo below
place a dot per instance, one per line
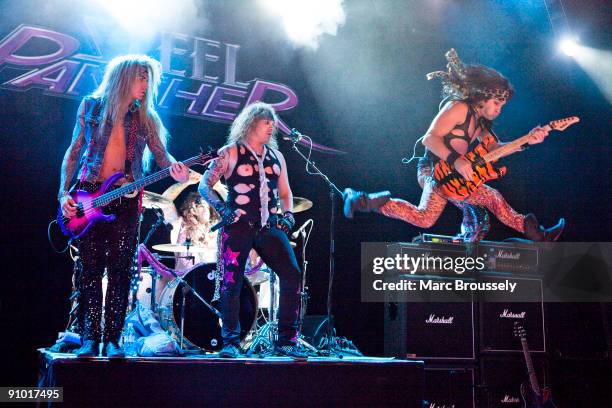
(364, 92)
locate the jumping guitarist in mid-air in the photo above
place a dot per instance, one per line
(474, 96)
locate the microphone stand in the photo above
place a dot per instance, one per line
(328, 347)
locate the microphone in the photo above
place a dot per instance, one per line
(302, 228)
(294, 136)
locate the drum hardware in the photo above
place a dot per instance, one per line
(158, 256)
(136, 261)
(183, 294)
(304, 291)
(264, 339)
(143, 252)
(193, 323)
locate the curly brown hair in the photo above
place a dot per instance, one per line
(472, 83)
(193, 200)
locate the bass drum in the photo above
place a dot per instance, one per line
(202, 328)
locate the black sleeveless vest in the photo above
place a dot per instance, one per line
(245, 181)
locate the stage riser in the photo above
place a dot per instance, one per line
(234, 383)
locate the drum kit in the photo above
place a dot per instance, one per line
(183, 299)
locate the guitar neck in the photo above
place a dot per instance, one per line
(509, 148)
(533, 379)
(106, 198)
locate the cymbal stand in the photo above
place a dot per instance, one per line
(154, 274)
(304, 293)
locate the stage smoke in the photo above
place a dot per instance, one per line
(306, 21)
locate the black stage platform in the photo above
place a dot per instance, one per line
(208, 381)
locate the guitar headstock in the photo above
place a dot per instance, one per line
(205, 158)
(564, 123)
(519, 331)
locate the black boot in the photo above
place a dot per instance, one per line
(535, 232)
(113, 350)
(360, 201)
(89, 349)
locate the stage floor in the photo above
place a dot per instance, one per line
(205, 380)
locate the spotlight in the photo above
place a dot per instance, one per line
(569, 46)
(305, 21)
(138, 17)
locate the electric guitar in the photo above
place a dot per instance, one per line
(458, 188)
(533, 396)
(90, 205)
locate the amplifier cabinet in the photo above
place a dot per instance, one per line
(497, 318)
(430, 331)
(449, 387)
(501, 378)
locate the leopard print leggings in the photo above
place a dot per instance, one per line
(433, 202)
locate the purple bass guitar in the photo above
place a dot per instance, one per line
(90, 205)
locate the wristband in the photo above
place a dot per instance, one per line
(288, 216)
(62, 194)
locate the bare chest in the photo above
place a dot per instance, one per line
(115, 153)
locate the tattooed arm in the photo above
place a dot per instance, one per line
(178, 171)
(69, 163)
(158, 148)
(220, 167)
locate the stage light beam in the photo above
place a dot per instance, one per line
(569, 46)
(306, 21)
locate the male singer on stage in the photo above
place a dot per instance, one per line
(113, 128)
(474, 96)
(255, 173)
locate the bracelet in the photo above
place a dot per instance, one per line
(62, 194)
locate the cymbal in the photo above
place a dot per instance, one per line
(301, 204)
(183, 248)
(154, 200)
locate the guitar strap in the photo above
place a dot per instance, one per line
(488, 126)
(131, 144)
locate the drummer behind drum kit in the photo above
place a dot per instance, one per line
(183, 299)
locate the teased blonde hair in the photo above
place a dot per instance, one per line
(115, 94)
(248, 118)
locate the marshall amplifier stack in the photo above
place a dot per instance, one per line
(468, 345)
